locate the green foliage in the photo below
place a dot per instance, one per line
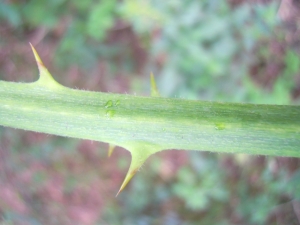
(142, 15)
(88, 25)
(201, 189)
(283, 85)
(100, 19)
(294, 185)
(263, 202)
(40, 13)
(209, 48)
(10, 13)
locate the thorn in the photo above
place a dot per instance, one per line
(128, 177)
(111, 148)
(138, 157)
(45, 78)
(154, 91)
(37, 59)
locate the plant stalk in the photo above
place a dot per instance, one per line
(146, 125)
(166, 123)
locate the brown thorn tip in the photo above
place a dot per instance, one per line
(37, 57)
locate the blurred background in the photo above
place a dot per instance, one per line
(233, 51)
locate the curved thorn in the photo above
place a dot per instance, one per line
(154, 91)
(111, 148)
(45, 77)
(37, 58)
(128, 177)
(137, 160)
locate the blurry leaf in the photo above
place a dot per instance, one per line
(10, 13)
(292, 62)
(83, 5)
(143, 15)
(213, 27)
(267, 16)
(40, 12)
(100, 19)
(294, 185)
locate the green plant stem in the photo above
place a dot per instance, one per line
(161, 122)
(146, 125)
